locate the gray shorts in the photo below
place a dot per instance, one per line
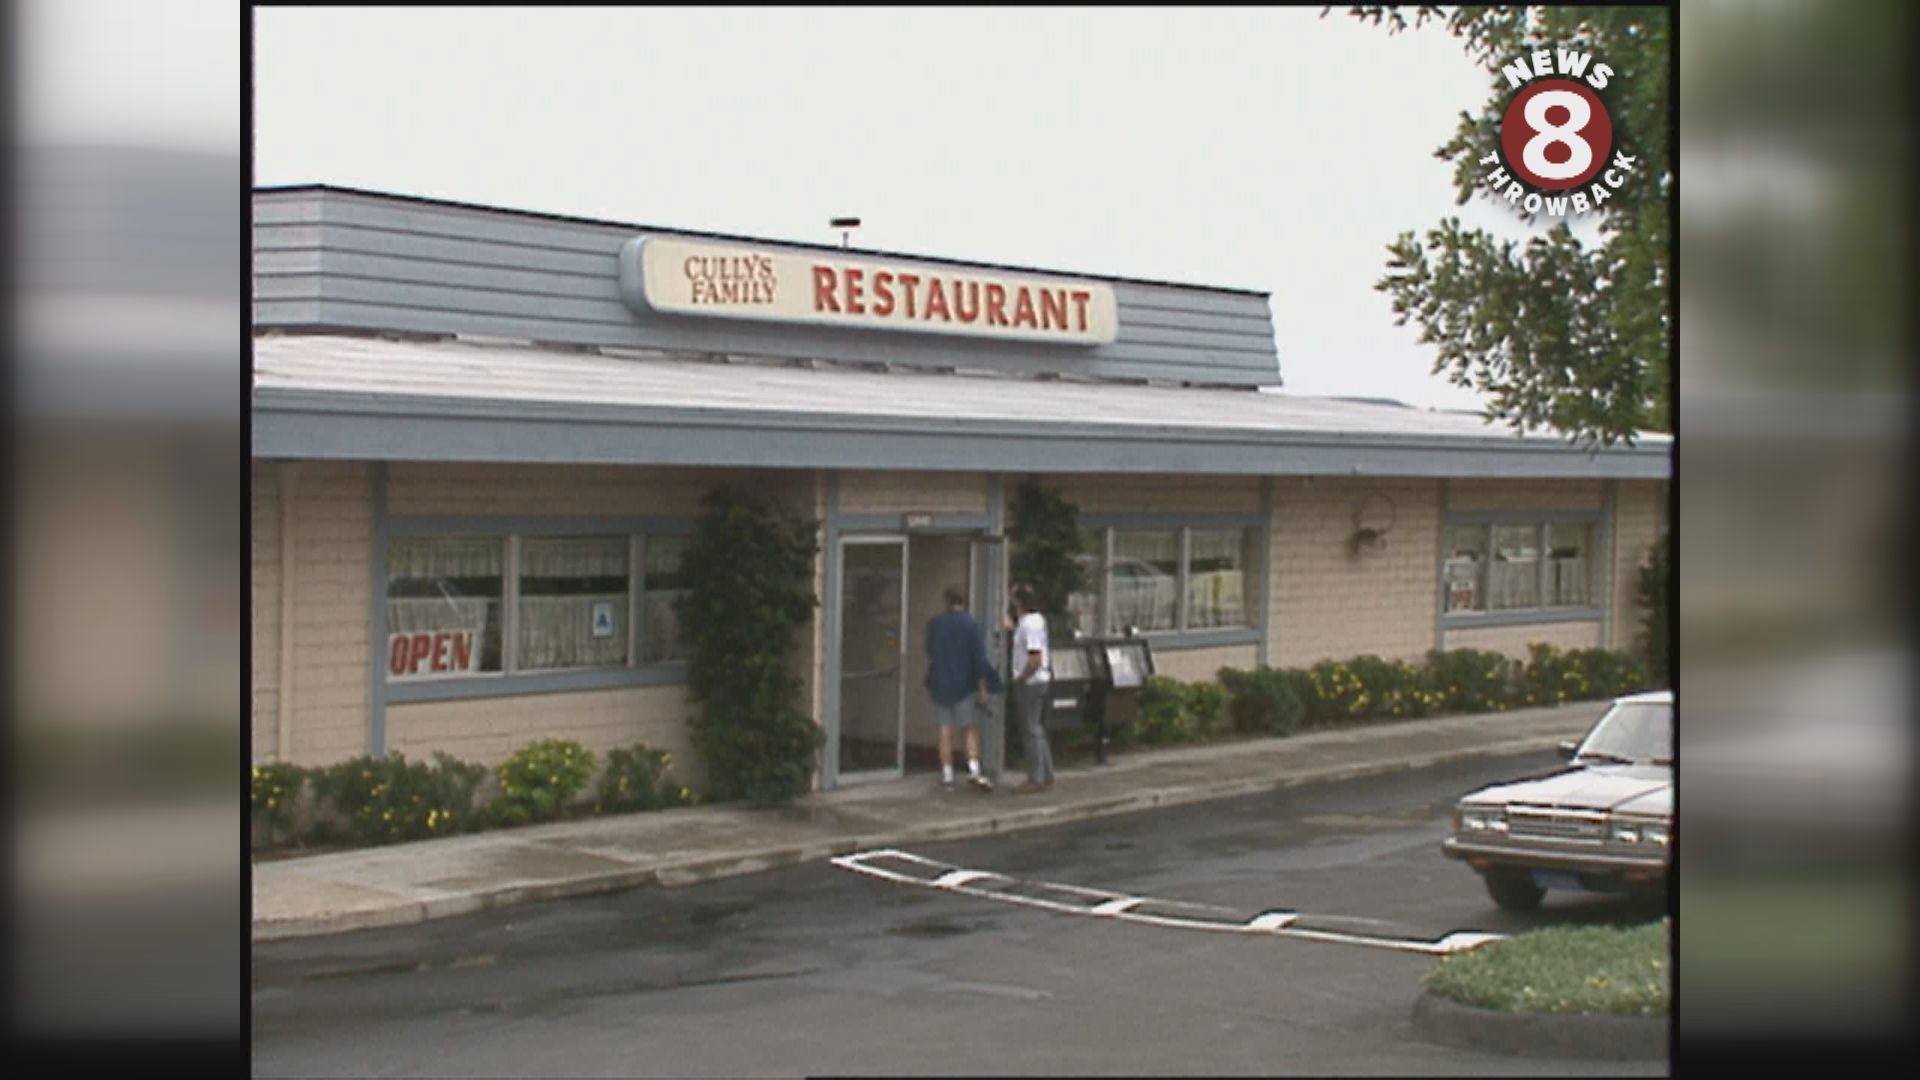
(959, 714)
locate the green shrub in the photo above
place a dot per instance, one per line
(749, 572)
(1264, 700)
(637, 779)
(1609, 674)
(274, 790)
(1554, 677)
(1471, 680)
(1369, 686)
(539, 781)
(383, 800)
(1338, 691)
(1312, 709)
(1164, 707)
(1206, 707)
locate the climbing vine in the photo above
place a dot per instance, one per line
(749, 573)
(1046, 552)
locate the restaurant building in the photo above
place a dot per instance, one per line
(480, 438)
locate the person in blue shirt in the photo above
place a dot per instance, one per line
(958, 669)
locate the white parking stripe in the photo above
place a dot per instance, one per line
(1273, 920)
(1117, 906)
(964, 877)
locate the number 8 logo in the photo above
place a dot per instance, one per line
(1550, 134)
(1556, 135)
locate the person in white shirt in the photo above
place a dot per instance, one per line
(1031, 677)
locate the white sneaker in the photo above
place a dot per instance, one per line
(980, 781)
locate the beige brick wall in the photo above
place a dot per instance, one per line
(893, 492)
(1203, 665)
(266, 609)
(333, 538)
(1524, 495)
(488, 730)
(1098, 494)
(1513, 640)
(1327, 603)
(1639, 508)
(487, 488)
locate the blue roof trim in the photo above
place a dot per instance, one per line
(349, 426)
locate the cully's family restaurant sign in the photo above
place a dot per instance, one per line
(723, 281)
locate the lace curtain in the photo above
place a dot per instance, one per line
(572, 612)
(1145, 579)
(1569, 569)
(1513, 577)
(447, 585)
(660, 634)
(1216, 578)
(428, 559)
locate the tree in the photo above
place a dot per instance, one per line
(1656, 613)
(1557, 332)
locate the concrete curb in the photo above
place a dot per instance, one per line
(1584, 1035)
(736, 864)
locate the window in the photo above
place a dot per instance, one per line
(1513, 576)
(443, 607)
(1517, 567)
(1084, 605)
(664, 583)
(1463, 567)
(1171, 580)
(577, 604)
(1216, 578)
(1569, 578)
(573, 602)
(1145, 578)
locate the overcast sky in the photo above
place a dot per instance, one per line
(1272, 150)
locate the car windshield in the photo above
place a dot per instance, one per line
(1637, 733)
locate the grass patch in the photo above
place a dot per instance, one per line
(1575, 969)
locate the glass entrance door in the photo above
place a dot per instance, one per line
(873, 656)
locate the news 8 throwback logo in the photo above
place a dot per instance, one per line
(1557, 153)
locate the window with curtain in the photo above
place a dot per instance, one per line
(444, 607)
(663, 584)
(1145, 580)
(1463, 567)
(1569, 573)
(1084, 606)
(1217, 578)
(1513, 575)
(573, 602)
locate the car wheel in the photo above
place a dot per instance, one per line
(1514, 890)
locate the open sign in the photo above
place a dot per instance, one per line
(436, 652)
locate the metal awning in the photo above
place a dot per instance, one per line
(365, 398)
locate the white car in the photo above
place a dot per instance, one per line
(1603, 824)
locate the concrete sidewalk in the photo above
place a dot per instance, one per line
(432, 879)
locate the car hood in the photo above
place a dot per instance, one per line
(1645, 789)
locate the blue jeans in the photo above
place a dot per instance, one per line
(1033, 731)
